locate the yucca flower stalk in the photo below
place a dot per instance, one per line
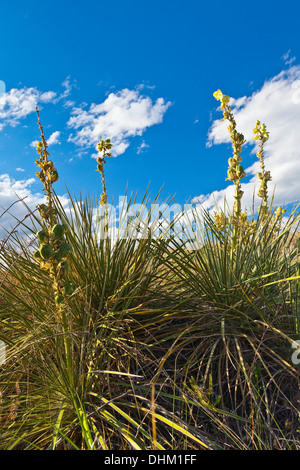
(235, 171)
(103, 147)
(54, 249)
(262, 135)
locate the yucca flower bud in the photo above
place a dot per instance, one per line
(43, 210)
(240, 171)
(58, 231)
(231, 174)
(57, 257)
(53, 176)
(260, 193)
(231, 162)
(42, 237)
(268, 176)
(48, 165)
(103, 200)
(69, 288)
(64, 249)
(46, 252)
(41, 175)
(63, 268)
(100, 145)
(39, 147)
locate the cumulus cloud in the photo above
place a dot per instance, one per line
(52, 140)
(121, 116)
(16, 104)
(277, 104)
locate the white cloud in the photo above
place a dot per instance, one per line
(69, 104)
(16, 104)
(277, 104)
(143, 147)
(52, 139)
(287, 59)
(68, 85)
(20, 169)
(47, 97)
(11, 193)
(121, 116)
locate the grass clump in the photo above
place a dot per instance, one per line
(141, 343)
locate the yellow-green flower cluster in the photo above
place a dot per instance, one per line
(223, 98)
(277, 218)
(279, 213)
(221, 221)
(235, 170)
(48, 172)
(246, 227)
(260, 132)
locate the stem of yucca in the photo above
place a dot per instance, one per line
(54, 249)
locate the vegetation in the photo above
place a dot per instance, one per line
(142, 343)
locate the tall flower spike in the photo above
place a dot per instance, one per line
(54, 249)
(103, 147)
(262, 135)
(45, 174)
(235, 171)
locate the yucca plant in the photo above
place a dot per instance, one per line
(232, 334)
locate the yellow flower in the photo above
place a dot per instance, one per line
(280, 211)
(218, 95)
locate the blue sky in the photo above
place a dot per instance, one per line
(144, 73)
